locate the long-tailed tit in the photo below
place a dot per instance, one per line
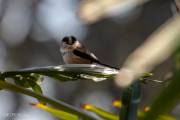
(73, 52)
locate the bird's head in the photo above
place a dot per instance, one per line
(69, 42)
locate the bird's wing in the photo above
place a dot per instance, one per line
(86, 55)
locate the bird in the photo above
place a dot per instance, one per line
(74, 52)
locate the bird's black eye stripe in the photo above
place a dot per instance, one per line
(65, 39)
(73, 39)
(70, 40)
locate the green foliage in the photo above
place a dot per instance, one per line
(31, 78)
(58, 104)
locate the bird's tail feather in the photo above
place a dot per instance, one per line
(108, 65)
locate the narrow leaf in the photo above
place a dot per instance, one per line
(56, 113)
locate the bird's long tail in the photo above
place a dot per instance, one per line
(107, 65)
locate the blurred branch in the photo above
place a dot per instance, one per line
(93, 10)
(169, 97)
(157, 48)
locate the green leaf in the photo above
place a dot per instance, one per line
(68, 72)
(58, 104)
(165, 117)
(130, 101)
(100, 112)
(36, 88)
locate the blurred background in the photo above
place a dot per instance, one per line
(31, 30)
